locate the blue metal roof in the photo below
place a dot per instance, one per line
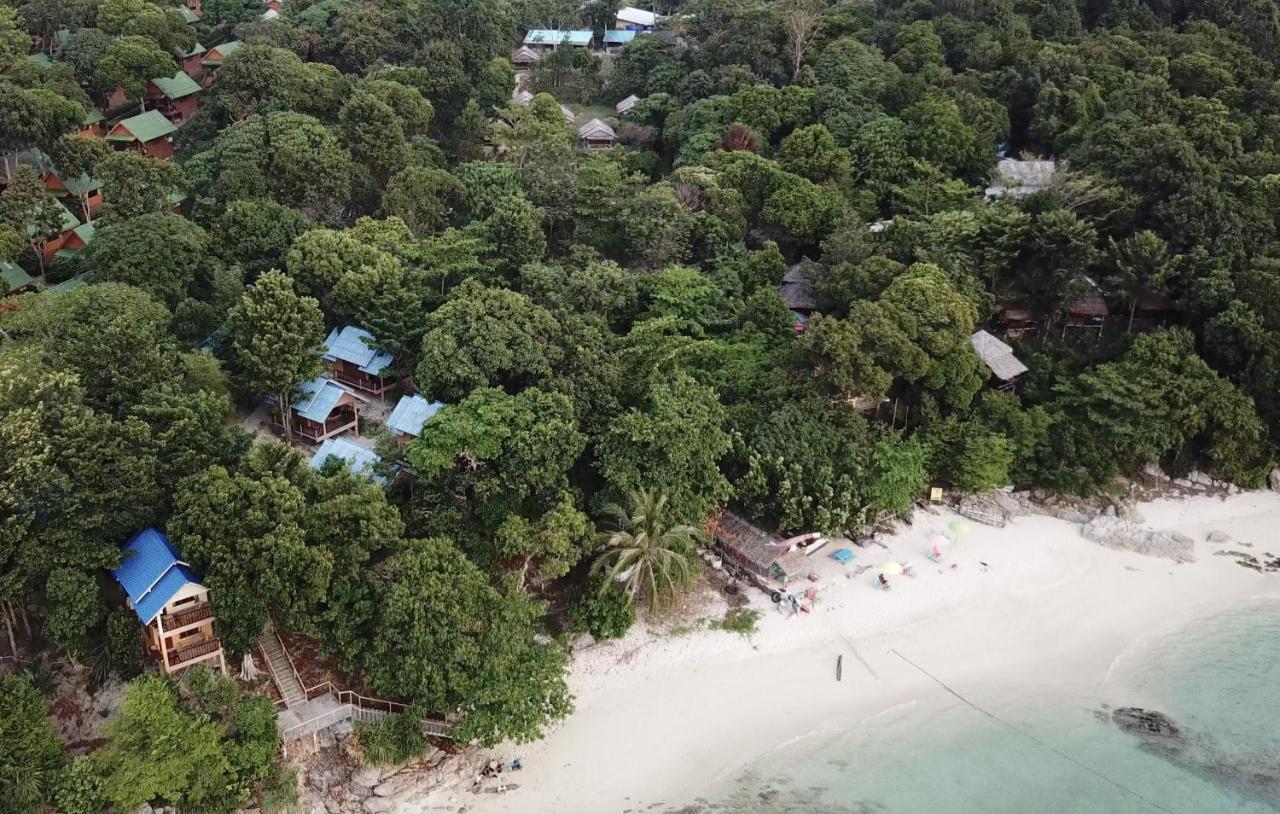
(618, 37)
(411, 413)
(151, 573)
(319, 397)
(359, 460)
(548, 36)
(355, 345)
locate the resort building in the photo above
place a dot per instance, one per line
(76, 243)
(549, 39)
(796, 291)
(214, 58)
(14, 278)
(524, 57)
(174, 97)
(624, 107)
(411, 412)
(766, 560)
(50, 247)
(360, 460)
(91, 127)
(630, 18)
(596, 135)
(170, 603)
(569, 116)
(190, 61)
(998, 357)
(1019, 178)
(150, 134)
(615, 41)
(83, 193)
(324, 409)
(352, 360)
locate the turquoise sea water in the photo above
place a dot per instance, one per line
(1218, 679)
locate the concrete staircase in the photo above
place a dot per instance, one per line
(282, 672)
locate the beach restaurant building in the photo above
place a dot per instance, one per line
(766, 560)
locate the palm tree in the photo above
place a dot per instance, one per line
(647, 554)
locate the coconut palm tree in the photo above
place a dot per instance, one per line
(647, 554)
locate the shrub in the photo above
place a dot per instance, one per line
(606, 615)
(77, 790)
(739, 620)
(394, 739)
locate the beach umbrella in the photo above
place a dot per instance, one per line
(958, 526)
(891, 569)
(939, 540)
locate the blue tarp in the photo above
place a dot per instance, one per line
(411, 413)
(844, 555)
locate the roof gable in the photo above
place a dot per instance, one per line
(14, 276)
(596, 129)
(997, 356)
(636, 16)
(178, 86)
(354, 345)
(144, 127)
(411, 413)
(319, 397)
(358, 459)
(151, 573)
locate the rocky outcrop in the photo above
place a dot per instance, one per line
(335, 784)
(1113, 532)
(1145, 722)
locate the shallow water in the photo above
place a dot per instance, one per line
(1218, 679)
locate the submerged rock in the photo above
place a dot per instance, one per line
(1145, 722)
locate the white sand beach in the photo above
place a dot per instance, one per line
(661, 719)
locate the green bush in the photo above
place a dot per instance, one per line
(606, 615)
(78, 789)
(279, 794)
(394, 739)
(126, 653)
(739, 620)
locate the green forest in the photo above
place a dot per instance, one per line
(607, 329)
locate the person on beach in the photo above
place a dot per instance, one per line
(884, 583)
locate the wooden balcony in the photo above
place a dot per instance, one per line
(360, 380)
(173, 622)
(180, 657)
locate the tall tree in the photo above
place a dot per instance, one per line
(30, 752)
(648, 555)
(275, 336)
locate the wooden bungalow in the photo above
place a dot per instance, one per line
(322, 410)
(50, 247)
(175, 97)
(765, 559)
(360, 460)
(596, 135)
(91, 127)
(76, 243)
(352, 360)
(615, 41)
(998, 357)
(1018, 321)
(411, 412)
(150, 134)
(549, 39)
(172, 605)
(524, 57)
(569, 116)
(190, 61)
(82, 195)
(797, 294)
(624, 107)
(14, 278)
(1088, 312)
(194, 5)
(189, 15)
(215, 56)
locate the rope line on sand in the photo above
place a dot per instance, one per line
(1036, 740)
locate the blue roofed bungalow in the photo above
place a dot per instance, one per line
(548, 39)
(171, 604)
(352, 360)
(360, 460)
(411, 412)
(323, 409)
